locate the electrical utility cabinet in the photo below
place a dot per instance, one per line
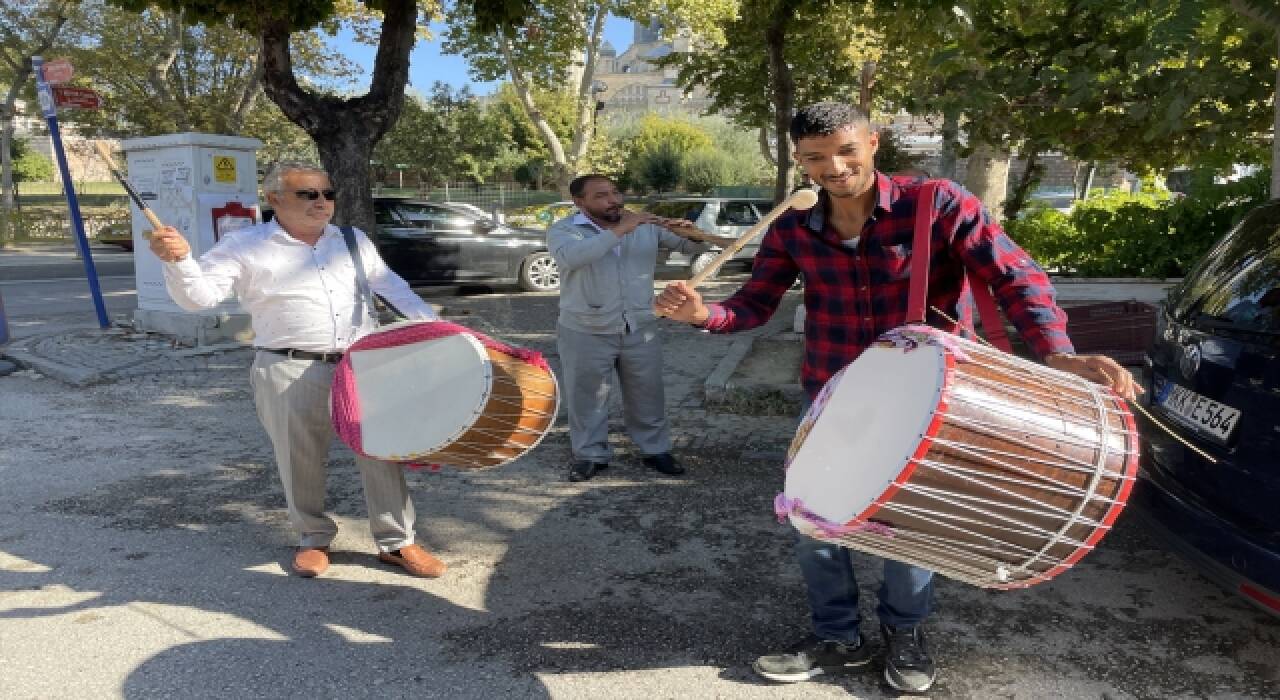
(204, 185)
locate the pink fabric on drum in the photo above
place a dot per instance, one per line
(783, 507)
(344, 404)
(912, 337)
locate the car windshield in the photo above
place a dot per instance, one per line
(736, 214)
(1237, 285)
(422, 214)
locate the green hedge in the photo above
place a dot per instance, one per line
(1136, 235)
(53, 224)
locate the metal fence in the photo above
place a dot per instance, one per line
(506, 197)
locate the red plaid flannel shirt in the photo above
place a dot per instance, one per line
(852, 296)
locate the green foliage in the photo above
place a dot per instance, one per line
(211, 85)
(653, 131)
(245, 14)
(654, 148)
(1146, 82)
(445, 136)
(658, 169)
(891, 157)
(706, 168)
(1136, 235)
(28, 165)
(827, 42)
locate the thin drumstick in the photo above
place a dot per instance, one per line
(1135, 404)
(128, 187)
(800, 199)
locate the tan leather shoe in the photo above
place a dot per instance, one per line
(309, 562)
(415, 560)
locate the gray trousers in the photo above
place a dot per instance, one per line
(292, 397)
(589, 364)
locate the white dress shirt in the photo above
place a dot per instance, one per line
(298, 296)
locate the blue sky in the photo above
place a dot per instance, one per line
(427, 64)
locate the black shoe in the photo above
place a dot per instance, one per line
(813, 657)
(664, 463)
(584, 469)
(907, 664)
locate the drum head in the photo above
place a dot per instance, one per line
(863, 436)
(418, 397)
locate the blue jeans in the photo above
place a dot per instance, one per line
(906, 596)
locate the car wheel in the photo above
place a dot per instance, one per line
(700, 263)
(539, 273)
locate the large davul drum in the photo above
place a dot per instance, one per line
(438, 393)
(939, 452)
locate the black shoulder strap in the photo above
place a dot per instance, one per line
(362, 281)
(367, 296)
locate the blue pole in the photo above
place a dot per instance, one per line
(4, 323)
(73, 204)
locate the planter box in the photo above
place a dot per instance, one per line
(1122, 330)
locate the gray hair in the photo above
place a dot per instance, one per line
(273, 181)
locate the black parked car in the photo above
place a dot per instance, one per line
(443, 243)
(431, 243)
(1215, 379)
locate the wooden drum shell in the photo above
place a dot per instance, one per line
(1020, 473)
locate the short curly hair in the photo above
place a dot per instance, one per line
(826, 118)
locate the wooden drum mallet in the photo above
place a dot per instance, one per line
(128, 187)
(800, 199)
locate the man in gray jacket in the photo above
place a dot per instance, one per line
(606, 256)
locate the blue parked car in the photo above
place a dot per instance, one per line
(1215, 380)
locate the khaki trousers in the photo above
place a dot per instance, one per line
(292, 398)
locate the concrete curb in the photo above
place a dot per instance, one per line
(75, 376)
(21, 353)
(717, 385)
(718, 388)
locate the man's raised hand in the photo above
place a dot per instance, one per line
(169, 245)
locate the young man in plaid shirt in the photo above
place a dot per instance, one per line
(854, 252)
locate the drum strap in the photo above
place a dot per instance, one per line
(367, 297)
(918, 296)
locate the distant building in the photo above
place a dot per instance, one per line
(630, 82)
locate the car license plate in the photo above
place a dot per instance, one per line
(1200, 413)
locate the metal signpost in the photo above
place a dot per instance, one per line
(4, 323)
(49, 106)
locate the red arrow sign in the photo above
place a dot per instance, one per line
(76, 97)
(57, 71)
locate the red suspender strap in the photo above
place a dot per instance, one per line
(918, 296)
(992, 325)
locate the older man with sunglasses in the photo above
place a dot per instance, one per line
(296, 277)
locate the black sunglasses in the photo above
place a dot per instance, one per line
(313, 195)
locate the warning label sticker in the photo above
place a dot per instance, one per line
(224, 169)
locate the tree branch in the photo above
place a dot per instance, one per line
(158, 71)
(248, 94)
(524, 92)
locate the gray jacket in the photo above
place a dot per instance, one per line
(602, 291)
